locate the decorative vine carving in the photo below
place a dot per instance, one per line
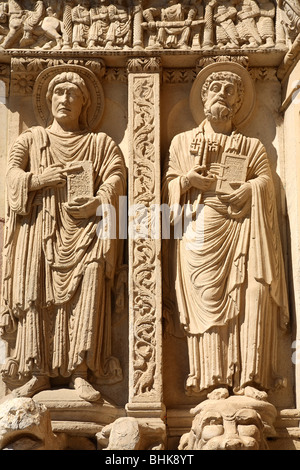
(144, 248)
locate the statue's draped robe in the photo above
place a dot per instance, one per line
(119, 29)
(230, 289)
(100, 24)
(170, 36)
(58, 272)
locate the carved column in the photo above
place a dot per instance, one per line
(137, 25)
(145, 338)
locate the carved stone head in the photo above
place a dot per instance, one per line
(75, 86)
(239, 102)
(235, 423)
(222, 95)
(88, 85)
(235, 430)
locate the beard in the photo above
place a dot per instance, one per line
(218, 112)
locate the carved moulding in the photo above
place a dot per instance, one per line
(24, 71)
(130, 24)
(144, 250)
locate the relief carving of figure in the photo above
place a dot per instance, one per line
(223, 17)
(99, 25)
(52, 26)
(119, 33)
(229, 276)
(17, 17)
(289, 14)
(247, 14)
(170, 27)
(32, 20)
(265, 23)
(59, 271)
(3, 20)
(35, 27)
(81, 23)
(49, 31)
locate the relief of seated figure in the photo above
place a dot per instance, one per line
(170, 27)
(99, 25)
(81, 24)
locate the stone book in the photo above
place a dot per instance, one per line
(80, 180)
(233, 172)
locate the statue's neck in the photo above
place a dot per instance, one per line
(63, 127)
(218, 127)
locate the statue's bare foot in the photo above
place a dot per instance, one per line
(32, 387)
(252, 392)
(85, 389)
(218, 394)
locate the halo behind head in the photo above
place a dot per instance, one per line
(246, 106)
(82, 77)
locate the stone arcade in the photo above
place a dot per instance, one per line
(149, 216)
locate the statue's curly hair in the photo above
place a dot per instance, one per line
(232, 78)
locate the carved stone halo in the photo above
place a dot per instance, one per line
(245, 111)
(41, 109)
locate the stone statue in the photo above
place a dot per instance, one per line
(119, 33)
(190, 24)
(39, 26)
(99, 25)
(223, 16)
(32, 20)
(265, 23)
(59, 271)
(228, 272)
(247, 14)
(170, 27)
(81, 24)
(230, 423)
(52, 27)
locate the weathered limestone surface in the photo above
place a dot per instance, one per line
(123, 327)
(26, 425)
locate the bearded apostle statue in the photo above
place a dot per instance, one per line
(229, 277)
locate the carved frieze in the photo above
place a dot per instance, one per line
(128, 24)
